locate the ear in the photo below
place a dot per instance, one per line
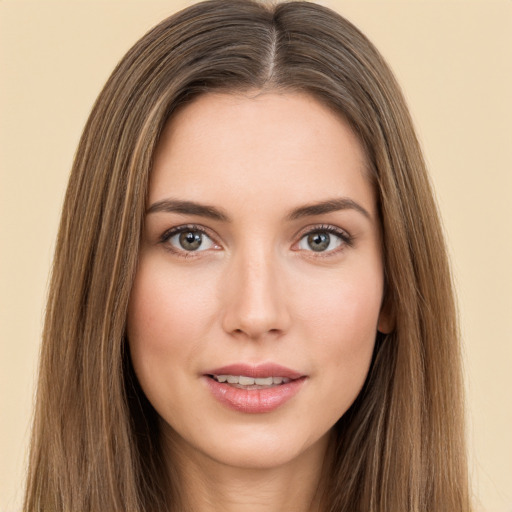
(386, 323)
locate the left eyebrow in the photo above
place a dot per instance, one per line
(331, 205)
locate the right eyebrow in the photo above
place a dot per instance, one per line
(188, 208)
(331, 205)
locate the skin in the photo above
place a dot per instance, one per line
(255, 291)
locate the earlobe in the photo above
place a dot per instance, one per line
(386, 322)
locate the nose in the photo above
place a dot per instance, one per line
(255, 298)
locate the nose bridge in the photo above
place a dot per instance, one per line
(255, 302)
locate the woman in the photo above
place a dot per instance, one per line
(251, 304)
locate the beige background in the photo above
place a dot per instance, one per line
(454, 61)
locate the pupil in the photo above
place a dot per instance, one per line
(190, 240)
(319, 241)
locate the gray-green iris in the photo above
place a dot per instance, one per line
(191, 240)
(319, 241)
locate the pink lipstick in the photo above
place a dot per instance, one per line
(254, 389)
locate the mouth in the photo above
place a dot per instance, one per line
(254, 389)
(246, 382)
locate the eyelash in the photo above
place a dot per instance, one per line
(167, 235)
(347, 240)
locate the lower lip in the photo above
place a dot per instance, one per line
(254, 401)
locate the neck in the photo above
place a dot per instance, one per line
(207, 485)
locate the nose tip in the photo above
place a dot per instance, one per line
(255, 302)
(254, 322)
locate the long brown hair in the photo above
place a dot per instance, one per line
(95, 445)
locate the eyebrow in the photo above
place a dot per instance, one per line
(212, 212)
(188, 208)
(329, 206)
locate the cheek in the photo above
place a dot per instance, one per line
(168, 316)
(342, 318)
(345, 305)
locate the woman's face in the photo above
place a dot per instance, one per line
(257, 297)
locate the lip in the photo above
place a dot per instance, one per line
(256, 371)
(255, 401)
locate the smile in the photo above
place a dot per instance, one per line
(254, 389)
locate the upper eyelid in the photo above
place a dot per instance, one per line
(304, 230)
(184, 227)
(323, 227)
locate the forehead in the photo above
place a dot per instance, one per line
(286, 146)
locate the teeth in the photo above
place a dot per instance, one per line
(267, 381)
(243, 380)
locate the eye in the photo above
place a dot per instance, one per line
(325, 239)
(188, 239)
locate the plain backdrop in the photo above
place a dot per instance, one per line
(454, 62)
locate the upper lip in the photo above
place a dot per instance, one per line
(256, 370)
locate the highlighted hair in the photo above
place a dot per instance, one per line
(95, 445)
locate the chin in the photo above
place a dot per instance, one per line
(251, 447)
